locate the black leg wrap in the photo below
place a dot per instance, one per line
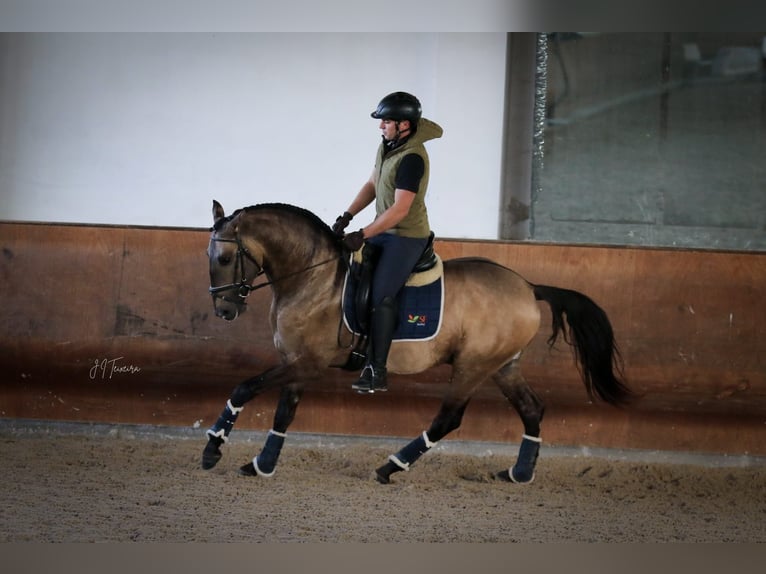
(413, 451)
(524, 469)
(225, 422)
(266, 461)
(404, 458)
(219, 434)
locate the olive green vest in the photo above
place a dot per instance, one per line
(415, 223)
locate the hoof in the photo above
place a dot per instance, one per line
(211, 455)
(503, 475)
(381, 478)
(248, 470)
(383, 474)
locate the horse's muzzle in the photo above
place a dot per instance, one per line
(227, 314)
(227, 310)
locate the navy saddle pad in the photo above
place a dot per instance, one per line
(421, 305)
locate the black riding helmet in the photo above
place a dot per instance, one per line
(398, 106)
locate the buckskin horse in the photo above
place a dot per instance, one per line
(490, 315)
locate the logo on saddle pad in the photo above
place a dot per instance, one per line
(421, 303)
(419, 320)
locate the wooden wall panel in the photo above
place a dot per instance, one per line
(690, 323)
(79, 300)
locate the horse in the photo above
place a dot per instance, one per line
(491, 314)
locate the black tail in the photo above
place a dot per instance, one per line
(591, 337)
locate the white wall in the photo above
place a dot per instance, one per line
(147, 129)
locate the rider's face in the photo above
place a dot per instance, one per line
(388, 129)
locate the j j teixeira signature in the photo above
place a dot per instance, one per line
(106, 368)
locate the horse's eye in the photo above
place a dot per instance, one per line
(224, 259)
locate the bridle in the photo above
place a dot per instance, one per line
(243, 286)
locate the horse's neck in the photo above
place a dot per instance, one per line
(292, 254)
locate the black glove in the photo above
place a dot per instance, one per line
(354, 240)
(341, 223)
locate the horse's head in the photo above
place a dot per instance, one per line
(233, 267)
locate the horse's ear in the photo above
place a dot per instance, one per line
(217, 211)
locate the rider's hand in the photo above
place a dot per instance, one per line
(342, 222)
(354, 240)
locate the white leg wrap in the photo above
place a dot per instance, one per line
(218, 434)
(277, 433)
(234, 410)
(399, 463)
(532, 438)
(510, 475)
(427, 440)
(259, 472)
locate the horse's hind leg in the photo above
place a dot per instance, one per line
(448, 419)
(265, 463)
(531, 409)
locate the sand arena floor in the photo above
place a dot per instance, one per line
(76, 484)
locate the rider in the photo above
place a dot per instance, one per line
(401, 229)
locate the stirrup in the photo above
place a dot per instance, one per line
(370, 382)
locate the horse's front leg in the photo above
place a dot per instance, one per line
(218, 434)
(265, 463)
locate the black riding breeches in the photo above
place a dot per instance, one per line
(398, 256)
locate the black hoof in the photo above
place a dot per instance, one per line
(248, 470)
(211, 455)
(503, 475)
(383, 474)
(381, 478)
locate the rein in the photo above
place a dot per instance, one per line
(243, 287)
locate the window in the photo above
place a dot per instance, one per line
(652, 139)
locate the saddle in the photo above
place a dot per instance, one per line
(420, 298)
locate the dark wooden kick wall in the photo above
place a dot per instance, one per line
(115, 324)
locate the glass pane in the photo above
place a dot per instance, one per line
(655, 139)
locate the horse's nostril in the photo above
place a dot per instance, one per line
(227, 314)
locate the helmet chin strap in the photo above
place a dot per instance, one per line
(407, 132)
(393, 142)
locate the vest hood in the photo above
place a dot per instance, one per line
(427, 130)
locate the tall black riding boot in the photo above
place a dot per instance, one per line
(373, 377)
